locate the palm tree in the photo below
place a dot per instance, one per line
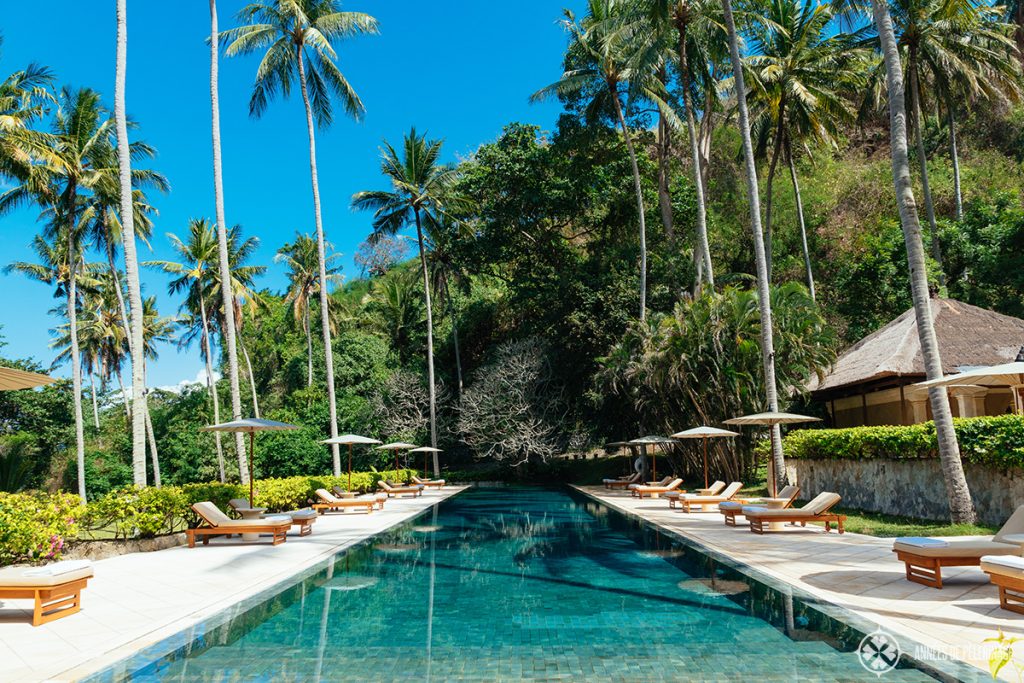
(611, 62)
(963, 51)
(797, 90)
(24, 98)
(155, 329)
(397, 311)
(303, 264)
(1015, 15)
(295, 39)
(760, 260)
(960, 504)
(223, 255)
(131, 262)
(194, 275)
(420, 195)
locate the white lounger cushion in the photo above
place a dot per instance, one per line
(729, 505)
(755, 509)
(55, 574)
(1003, 565)
(961, 548)
(922, 542)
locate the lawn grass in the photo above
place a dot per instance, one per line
(891, 526)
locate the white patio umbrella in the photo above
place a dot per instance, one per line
(250, 425)
(396, 446)
(1004, 375)
(771, 419)
(652, 441)
(424, 450)
(349, 440)
(704, 433)
(11, 379)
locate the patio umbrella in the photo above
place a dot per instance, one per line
(349, 440)
(645, 441)
(11, 379)
(704, 433)
(1004, 375)
(424, 450)
(771, 419)
(250, 425)
(396, 446)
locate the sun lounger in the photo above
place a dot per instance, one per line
(379, 498)
(815, 511)
(329, 503)
(399, 490)
(633, 487)
(429, 483)
(655, 491)
(56, 588)
(733, 508)
(219, 524)
(687, 503)
(1006, 572)
(925, 557)
(621, 483)
(303, 518)
(673, 497)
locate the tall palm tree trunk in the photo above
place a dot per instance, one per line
(252, 378)
(95, 401)
(922, 160)
(455, 337)
(769, 187)
(430, 342)
(960, 505)
(954, 155)
(124, 397)
(227, 293)
(309, 346)
(321, 251)
(639, 203)
(800, 219)
(211, 386)
(760, 262)
(706, 272)
(155, 457)
(131, 262)
(664, 174)
(76, 359)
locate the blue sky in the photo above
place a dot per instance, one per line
(457, 70)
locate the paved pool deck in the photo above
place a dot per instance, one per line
(859, 573)
(139, 599)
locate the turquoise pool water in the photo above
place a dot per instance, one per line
(516, 584)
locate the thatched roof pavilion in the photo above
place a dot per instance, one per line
(868, 383)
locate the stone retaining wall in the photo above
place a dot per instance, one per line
(913, 488)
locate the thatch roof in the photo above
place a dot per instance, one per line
(967, 335)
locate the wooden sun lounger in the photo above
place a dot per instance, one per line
(674, 497)
(688, 503)
(399, 490)
(329, 503)
(56, 595)
(734, 508)
(924, 564)
(622, 483)
(219, 524)
(1007, 573)
(640, 485)
(655, 491)
(378, 499)
(439, 483)
(301, 518)
(815, 511)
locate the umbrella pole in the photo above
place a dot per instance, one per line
(705, 440)
(252, 455)
(771, 461)
(349, 467)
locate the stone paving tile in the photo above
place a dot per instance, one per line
(138, 599)
(857, 572)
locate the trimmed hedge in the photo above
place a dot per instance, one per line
(37, 526)
(994, 441)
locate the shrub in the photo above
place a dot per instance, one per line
(135, 512)
(994, 441)
(35, 526)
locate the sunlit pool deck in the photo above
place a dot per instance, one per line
(856, 572)
(139, 599)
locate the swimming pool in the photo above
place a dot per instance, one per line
(515, 584)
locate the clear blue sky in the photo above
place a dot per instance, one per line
(458, 70)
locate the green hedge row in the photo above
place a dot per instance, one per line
(36, 527)
(995, 441)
